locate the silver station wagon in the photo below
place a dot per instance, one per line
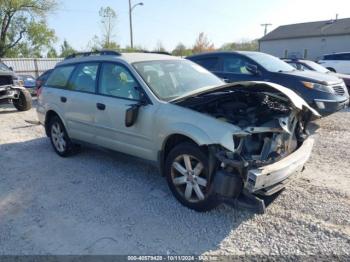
(214, 142)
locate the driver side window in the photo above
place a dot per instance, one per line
(115, 80)
(236, 65)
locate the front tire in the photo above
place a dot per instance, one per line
(24, 102)
(59, 138)
(187, 173)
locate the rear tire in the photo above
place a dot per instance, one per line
(60, 141)
(24, 102)
(187, 173)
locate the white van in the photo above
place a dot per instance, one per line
(337, 62)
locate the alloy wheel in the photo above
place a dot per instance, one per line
(57, 135)
(189, 178)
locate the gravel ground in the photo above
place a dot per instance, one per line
(98, 202)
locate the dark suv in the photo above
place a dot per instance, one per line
(326, 93)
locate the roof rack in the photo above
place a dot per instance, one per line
(98, 52)
(155, 52)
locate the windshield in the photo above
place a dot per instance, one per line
(316, 67)
(3, 67)
(170, 79)
(270, 63)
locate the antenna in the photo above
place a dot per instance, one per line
(265, 25)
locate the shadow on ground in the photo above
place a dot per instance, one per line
(97, 202)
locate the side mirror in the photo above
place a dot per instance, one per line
(252, 69)
(11, 68)
(131, 115)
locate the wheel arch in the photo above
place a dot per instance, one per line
(49, 115)
(170, 142)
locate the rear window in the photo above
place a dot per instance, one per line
(343, 56)
(60, 76)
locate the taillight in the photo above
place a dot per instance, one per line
(38, 91)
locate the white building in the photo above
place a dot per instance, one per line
(308, 40)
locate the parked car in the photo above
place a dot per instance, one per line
(337, 62)
(40, 81)
(210, 140)
(28, 82)
(11, 90)
(302, 64)
(326, 93)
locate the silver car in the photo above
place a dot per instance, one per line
(212, 141)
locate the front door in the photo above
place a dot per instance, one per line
(117, 91)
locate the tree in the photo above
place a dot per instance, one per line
(52, 53)
(159, 47)
(66, 49)
(181, 50)
(241, 46)
(202, 44)
(108, 21)
(128, 49)
(23, 28)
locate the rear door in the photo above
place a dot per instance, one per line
(54, 95)
(117, 91)
(80, 101)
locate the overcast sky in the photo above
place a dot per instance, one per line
(174, 21)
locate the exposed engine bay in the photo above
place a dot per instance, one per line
(272, 127)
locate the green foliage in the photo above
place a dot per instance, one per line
(128, 49)
(108, 21)
(66, 49)
(23, 28)
(52, 53)
(181, 50)
(241, 46)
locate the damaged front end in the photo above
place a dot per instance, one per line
(272, 142)
(7, 93)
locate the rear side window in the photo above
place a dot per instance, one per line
(60, 76)
(84, 78)
(210, 63)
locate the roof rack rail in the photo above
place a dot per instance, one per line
(156, 52)
(98, 52)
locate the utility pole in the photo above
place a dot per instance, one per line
(131, 8)
(265, 25)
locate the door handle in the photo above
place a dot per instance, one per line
(101, 106)
(63, 99)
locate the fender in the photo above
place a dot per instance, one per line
(55, 108)
(199, 136)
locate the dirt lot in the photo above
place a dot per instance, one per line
(98, 202)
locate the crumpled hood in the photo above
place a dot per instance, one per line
(296, 100)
